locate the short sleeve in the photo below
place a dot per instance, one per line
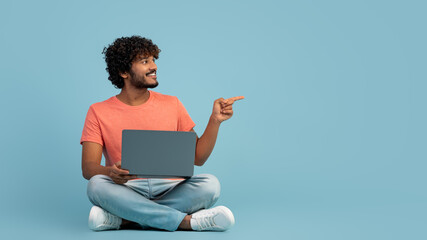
(91, 129)
(185, 123)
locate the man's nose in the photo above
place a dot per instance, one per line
(153, 66)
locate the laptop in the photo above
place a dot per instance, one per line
(158, 154)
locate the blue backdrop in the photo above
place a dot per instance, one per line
(328, 144)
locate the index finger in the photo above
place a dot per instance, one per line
(233, 99)
(128, 177)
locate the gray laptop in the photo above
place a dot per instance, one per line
(158, 154)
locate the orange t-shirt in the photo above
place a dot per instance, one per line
(106, 120)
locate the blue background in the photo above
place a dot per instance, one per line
(330, 142)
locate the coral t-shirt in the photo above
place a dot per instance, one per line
(106, 120)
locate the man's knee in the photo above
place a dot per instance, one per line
(95, 185)
(211, 187)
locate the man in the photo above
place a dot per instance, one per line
(120, 198)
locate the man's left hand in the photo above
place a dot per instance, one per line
(223, 108)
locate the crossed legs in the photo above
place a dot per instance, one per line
(167, 211)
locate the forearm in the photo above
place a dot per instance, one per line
(206, 143)
(91, 169)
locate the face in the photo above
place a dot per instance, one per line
(143, 73)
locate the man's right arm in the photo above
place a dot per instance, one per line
(91, 165)
(91, 160)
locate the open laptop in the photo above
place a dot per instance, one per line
(158, 154)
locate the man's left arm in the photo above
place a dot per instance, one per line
(222, 110)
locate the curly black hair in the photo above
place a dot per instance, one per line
(122, 52)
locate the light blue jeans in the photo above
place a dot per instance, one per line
(156, 203)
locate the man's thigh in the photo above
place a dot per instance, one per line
(198, 192)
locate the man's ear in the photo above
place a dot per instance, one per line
(124, 75)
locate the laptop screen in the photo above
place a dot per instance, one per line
(158, 154)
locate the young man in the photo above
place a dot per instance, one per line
(120, 198)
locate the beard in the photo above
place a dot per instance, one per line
(140, 82)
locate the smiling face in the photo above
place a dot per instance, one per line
(143, 73)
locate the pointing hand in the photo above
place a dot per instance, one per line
(223, 108)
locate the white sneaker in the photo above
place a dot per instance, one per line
(100, 220)
(214, 219)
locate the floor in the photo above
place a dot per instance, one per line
(296, 221)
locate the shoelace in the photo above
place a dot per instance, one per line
(110, 220)
(206, 222)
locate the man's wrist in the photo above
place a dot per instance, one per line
(215, 121)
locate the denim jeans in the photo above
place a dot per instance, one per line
(153, 202)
